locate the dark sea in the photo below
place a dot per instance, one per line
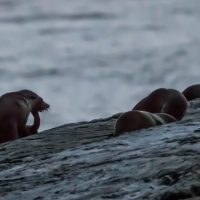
(94, 58)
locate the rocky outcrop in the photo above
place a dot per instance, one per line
(81, 161)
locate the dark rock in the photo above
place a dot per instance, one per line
(82, 161)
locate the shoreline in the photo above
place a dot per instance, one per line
(78, 161)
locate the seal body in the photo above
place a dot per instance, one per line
(15, 108)
(192, 92)
(163, 100)
(136, 120)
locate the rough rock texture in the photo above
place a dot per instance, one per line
(81, 161)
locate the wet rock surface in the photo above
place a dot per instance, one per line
(81, 161)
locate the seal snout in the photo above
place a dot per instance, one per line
(45, 106)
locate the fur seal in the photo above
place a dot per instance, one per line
(136, 120)
(192, 92)
(15, 108)
(164, 100)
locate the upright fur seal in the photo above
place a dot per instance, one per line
(192, 92)
(163, 100)
(15, 108)
(136, 120)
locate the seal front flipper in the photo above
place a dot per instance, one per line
(31, 130)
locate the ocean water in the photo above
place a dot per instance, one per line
(91, 59)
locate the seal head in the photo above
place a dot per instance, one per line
(34, 102)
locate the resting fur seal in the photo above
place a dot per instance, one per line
(15, 108)
(163, 100)
(136, 120)
(192, 92)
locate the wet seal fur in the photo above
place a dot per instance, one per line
(136, 120)
(164, 100)
(192, 92)
(15, 108)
